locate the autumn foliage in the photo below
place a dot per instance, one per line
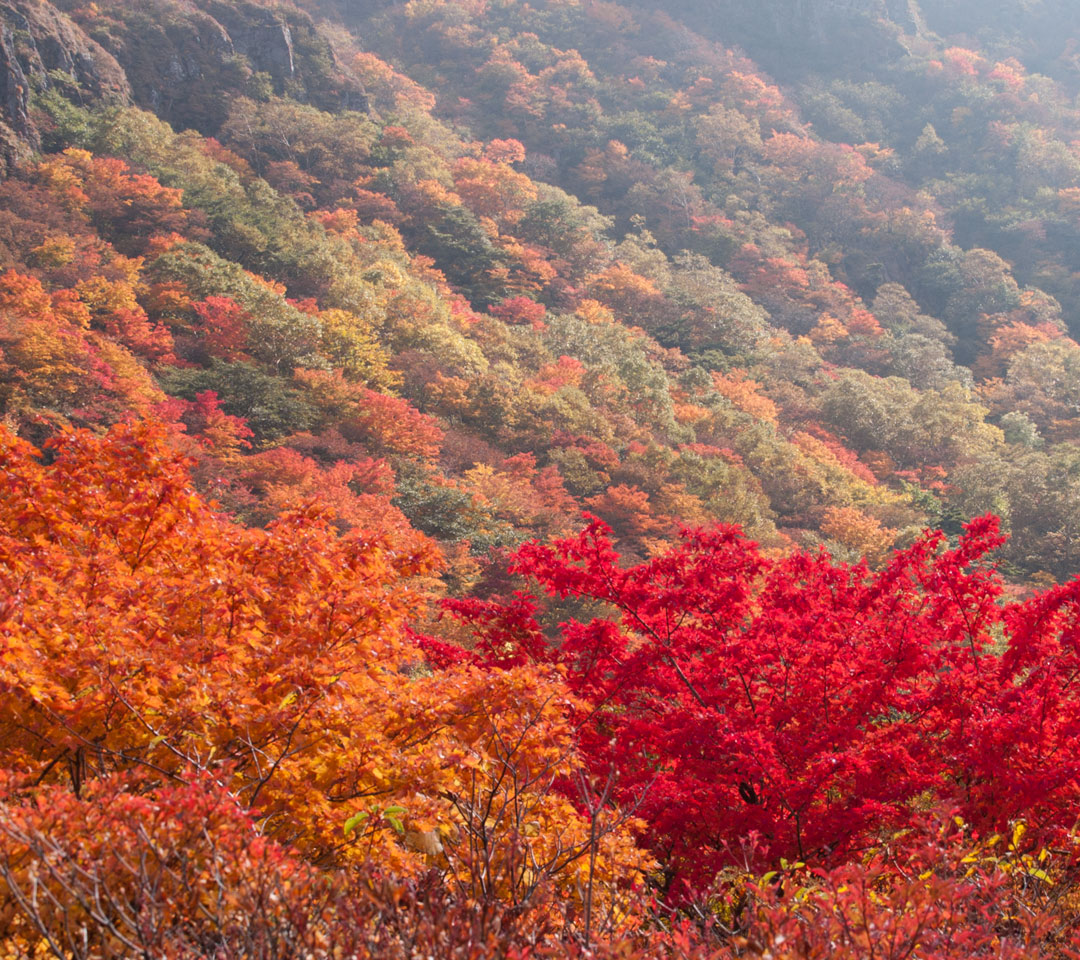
(565, 479)
(206, 700)
(152, 644)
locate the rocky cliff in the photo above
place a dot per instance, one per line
(177, 58)
(182, 56)
(41, 47)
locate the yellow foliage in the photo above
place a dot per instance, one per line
(54, 252)
(592, 311)
(859, 532)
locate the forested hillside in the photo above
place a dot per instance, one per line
(471, 470)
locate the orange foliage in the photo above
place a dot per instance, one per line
(566, 371)
(284, 480)
(828, 330)
(389, 89)
(519, 493)
(147, 636)
(183, 640)
(133, 205)
(221, 434)
(223, 326)
(826, 166)
(388, 423)
(593, 311)
(863, 323)
(825, 448)
(52, 364)
(751, 93)
(1009, 72)
(627, 293)
(860, 532)
(1009, 340)
(493, 189)
(628, 511)
(746, 395)
(963, 63)
(505, 151)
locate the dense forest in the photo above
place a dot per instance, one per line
(570, 478)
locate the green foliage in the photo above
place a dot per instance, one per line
(463, 250)
(272, 407)
(282, 336)
(449, 513)
(875, 261)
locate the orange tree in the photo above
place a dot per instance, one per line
(144, 634)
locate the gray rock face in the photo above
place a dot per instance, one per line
(38, 42)
(44, 40)
(14, 87)
(178, 58)
(260, 35)
(906, 15)
(182, 56)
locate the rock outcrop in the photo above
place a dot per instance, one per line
(41, 47)
(178, 58)
(182, 56)
(263, 36)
